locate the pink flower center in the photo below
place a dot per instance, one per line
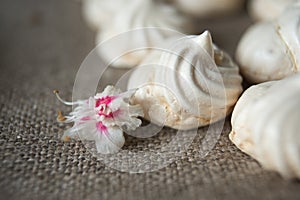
(104, 100)
(104, 109)
(106, 115)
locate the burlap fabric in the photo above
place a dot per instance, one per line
(42, 46)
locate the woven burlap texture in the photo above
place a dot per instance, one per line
(42, 46)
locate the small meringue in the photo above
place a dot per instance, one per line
(156, 22)
(191, 84)
(271, 50)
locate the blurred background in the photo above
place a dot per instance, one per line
(42, 45)
(46, 36)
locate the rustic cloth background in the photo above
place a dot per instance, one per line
(42, 45)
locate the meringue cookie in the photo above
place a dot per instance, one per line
(139, 15)
(257, 8)
(190, 85)
(211, 8)
(271, 50)
(265, 125)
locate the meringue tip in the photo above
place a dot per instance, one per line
(205, 41)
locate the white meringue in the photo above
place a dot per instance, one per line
(211, 8)
(190, 85)
(139, 15)
(268, 9)
(271, 50)
(265, 125)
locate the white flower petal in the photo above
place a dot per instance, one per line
(84, 131)
(108, 91)
(130, 123)
(111, 141)
(122, 98)
(88, 132)
(128, 116)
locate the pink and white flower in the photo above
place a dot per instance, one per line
(102, 119)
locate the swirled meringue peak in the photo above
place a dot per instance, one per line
(156, 22)
(193, 83)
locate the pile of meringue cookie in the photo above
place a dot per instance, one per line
(204, 77)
